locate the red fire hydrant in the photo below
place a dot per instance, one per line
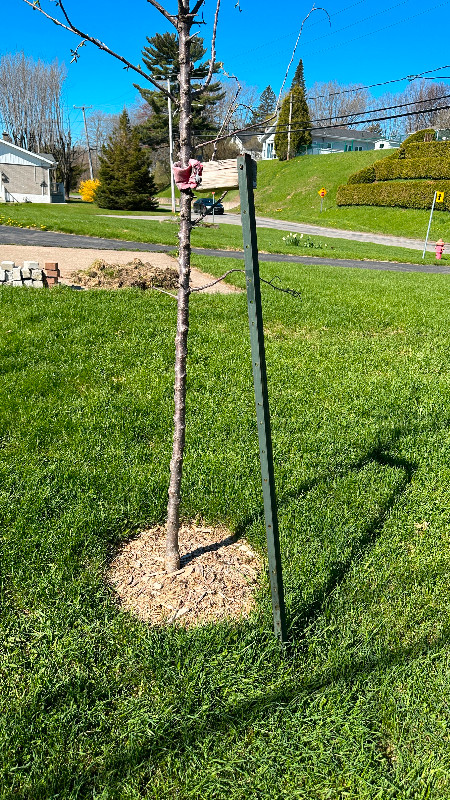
(439, 248)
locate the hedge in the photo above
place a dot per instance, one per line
(420, 136)
(366, 175)
(407, 168)
(408, 194)
(421, 149)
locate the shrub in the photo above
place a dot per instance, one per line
(407, 194)
(410, 168)
(421, 149)
(366, 175)
(87, 190)
(426, 135)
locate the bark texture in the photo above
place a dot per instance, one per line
(184, 261)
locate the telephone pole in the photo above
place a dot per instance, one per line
(83, 109)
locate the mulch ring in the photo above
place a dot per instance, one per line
(142, 275)
(218, 578)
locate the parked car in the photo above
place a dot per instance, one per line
(207, 203)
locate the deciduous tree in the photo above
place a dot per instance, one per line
(183, 21)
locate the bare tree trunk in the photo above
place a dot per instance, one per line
(184, 260)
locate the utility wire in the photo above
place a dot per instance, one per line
(410, 78)
(376, 110)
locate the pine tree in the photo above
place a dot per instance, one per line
(299, 78)
(125, 179)
(162, 61)
(300, 125)
(266, 106)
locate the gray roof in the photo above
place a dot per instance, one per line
(48, 156)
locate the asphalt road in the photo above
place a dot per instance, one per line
(311, 230)
(25, 236)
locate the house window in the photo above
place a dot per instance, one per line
(358, 148)
(381, 145)
(348, 148)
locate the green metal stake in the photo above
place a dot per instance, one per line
(255, 319)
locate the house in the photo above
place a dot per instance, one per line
(27, 177)
(248, 143)
(331, 140)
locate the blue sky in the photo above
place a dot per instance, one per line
(367, 42)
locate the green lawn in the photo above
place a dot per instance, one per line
(96, 705)
(87, 219)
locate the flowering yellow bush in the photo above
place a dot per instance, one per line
(87, 190)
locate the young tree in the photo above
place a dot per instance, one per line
(183, 22)
(125, 179)
(266, 107)
(293, 129)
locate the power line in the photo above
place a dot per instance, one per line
(411, 77)
(383, 108)
(379, 30)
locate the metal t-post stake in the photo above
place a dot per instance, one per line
(245, 174)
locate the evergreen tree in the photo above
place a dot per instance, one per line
(162, 61)
(125, 179)
(300, 125)
(299, 78)
(266, 106)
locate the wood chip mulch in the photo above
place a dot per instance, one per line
(142, 275)
(218, 578)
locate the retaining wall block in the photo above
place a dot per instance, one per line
(2, 275)
(38, 284)
(25, 273)
(27, 282)
(36, 274)
(16, 274)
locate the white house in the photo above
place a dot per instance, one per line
(331, 140)
(27, 177)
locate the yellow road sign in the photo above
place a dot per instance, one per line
(439, 197)
(322, 192)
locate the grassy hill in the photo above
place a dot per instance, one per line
(289, 190)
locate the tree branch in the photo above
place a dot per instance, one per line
(172, 19)
(213, 48)
(73, 29)
(197, 7)
(239, 130)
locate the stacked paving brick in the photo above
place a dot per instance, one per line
(29, 275)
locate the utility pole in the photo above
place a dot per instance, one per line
(289, 129)
(83, 108)
(172, 180)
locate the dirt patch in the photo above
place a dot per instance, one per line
(73, 259)
(217, 580)
(137, 273)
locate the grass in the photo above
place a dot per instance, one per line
(84, 219)
(96, 705)
(289, 190)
